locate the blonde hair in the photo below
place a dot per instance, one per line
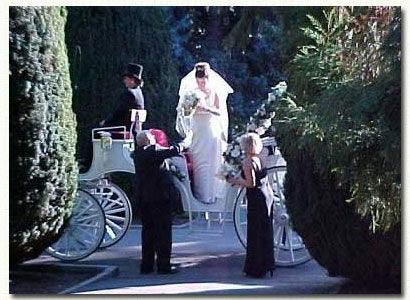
(251, 143)
(145, 138)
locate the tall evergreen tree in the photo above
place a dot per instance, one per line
(43, 172)
(101, 42)
(342, 143)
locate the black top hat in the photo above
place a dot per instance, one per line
(134, 70)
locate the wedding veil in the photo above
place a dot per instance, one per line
(216, 82)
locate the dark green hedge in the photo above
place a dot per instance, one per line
(335, 234)
(341, 138)
(43, 172)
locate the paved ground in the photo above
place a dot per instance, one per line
(209, 263)
(39, 278)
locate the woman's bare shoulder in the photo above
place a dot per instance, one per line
(247, 163)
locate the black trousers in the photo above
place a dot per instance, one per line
(156, 235)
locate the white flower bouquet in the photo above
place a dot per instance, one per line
(189, 102)
(233, 159)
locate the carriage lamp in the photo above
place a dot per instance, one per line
(138, 116)
(106, 140)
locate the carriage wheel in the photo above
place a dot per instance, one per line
(117, 210)
(289, 249)
(85, 230)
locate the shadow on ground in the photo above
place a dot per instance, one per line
(367, 288)
(212, 274)
(47, 279)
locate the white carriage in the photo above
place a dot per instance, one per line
(102, 211)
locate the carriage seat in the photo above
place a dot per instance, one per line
(115, 133)
(121, 135)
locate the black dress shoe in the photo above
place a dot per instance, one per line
(171, 270)
(146, 271)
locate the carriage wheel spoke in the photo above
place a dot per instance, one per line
(83, 235)
(282, 237)
(66, 245)
(74, 245)
(118, 202)
(114, 211)
(117, 211)
(109, 204)
(289, 236)
(112, 224)
(95, 226)
(279, 241)
(103, 202)
(85, 210)
(278, 236)
(116, 218)
(110, 231)
(87, 218)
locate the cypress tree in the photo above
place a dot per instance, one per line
(342, 144)
(43, 172)
(101, 41)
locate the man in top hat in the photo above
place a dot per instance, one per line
(132, 98)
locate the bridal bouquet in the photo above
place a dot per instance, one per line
(189, 102)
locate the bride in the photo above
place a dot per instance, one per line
(209, 125)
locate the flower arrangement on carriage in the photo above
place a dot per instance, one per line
(260, 122)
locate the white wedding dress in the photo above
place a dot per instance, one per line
(208, 145)
(209, 140)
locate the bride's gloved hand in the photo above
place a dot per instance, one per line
(208, 109)
(187, 141)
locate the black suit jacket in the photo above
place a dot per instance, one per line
(154, 182)
(121, 116)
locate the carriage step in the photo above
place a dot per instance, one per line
(209, 222)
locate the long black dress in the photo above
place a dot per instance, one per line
(259, 250)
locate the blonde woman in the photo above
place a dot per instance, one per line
(259, 250)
